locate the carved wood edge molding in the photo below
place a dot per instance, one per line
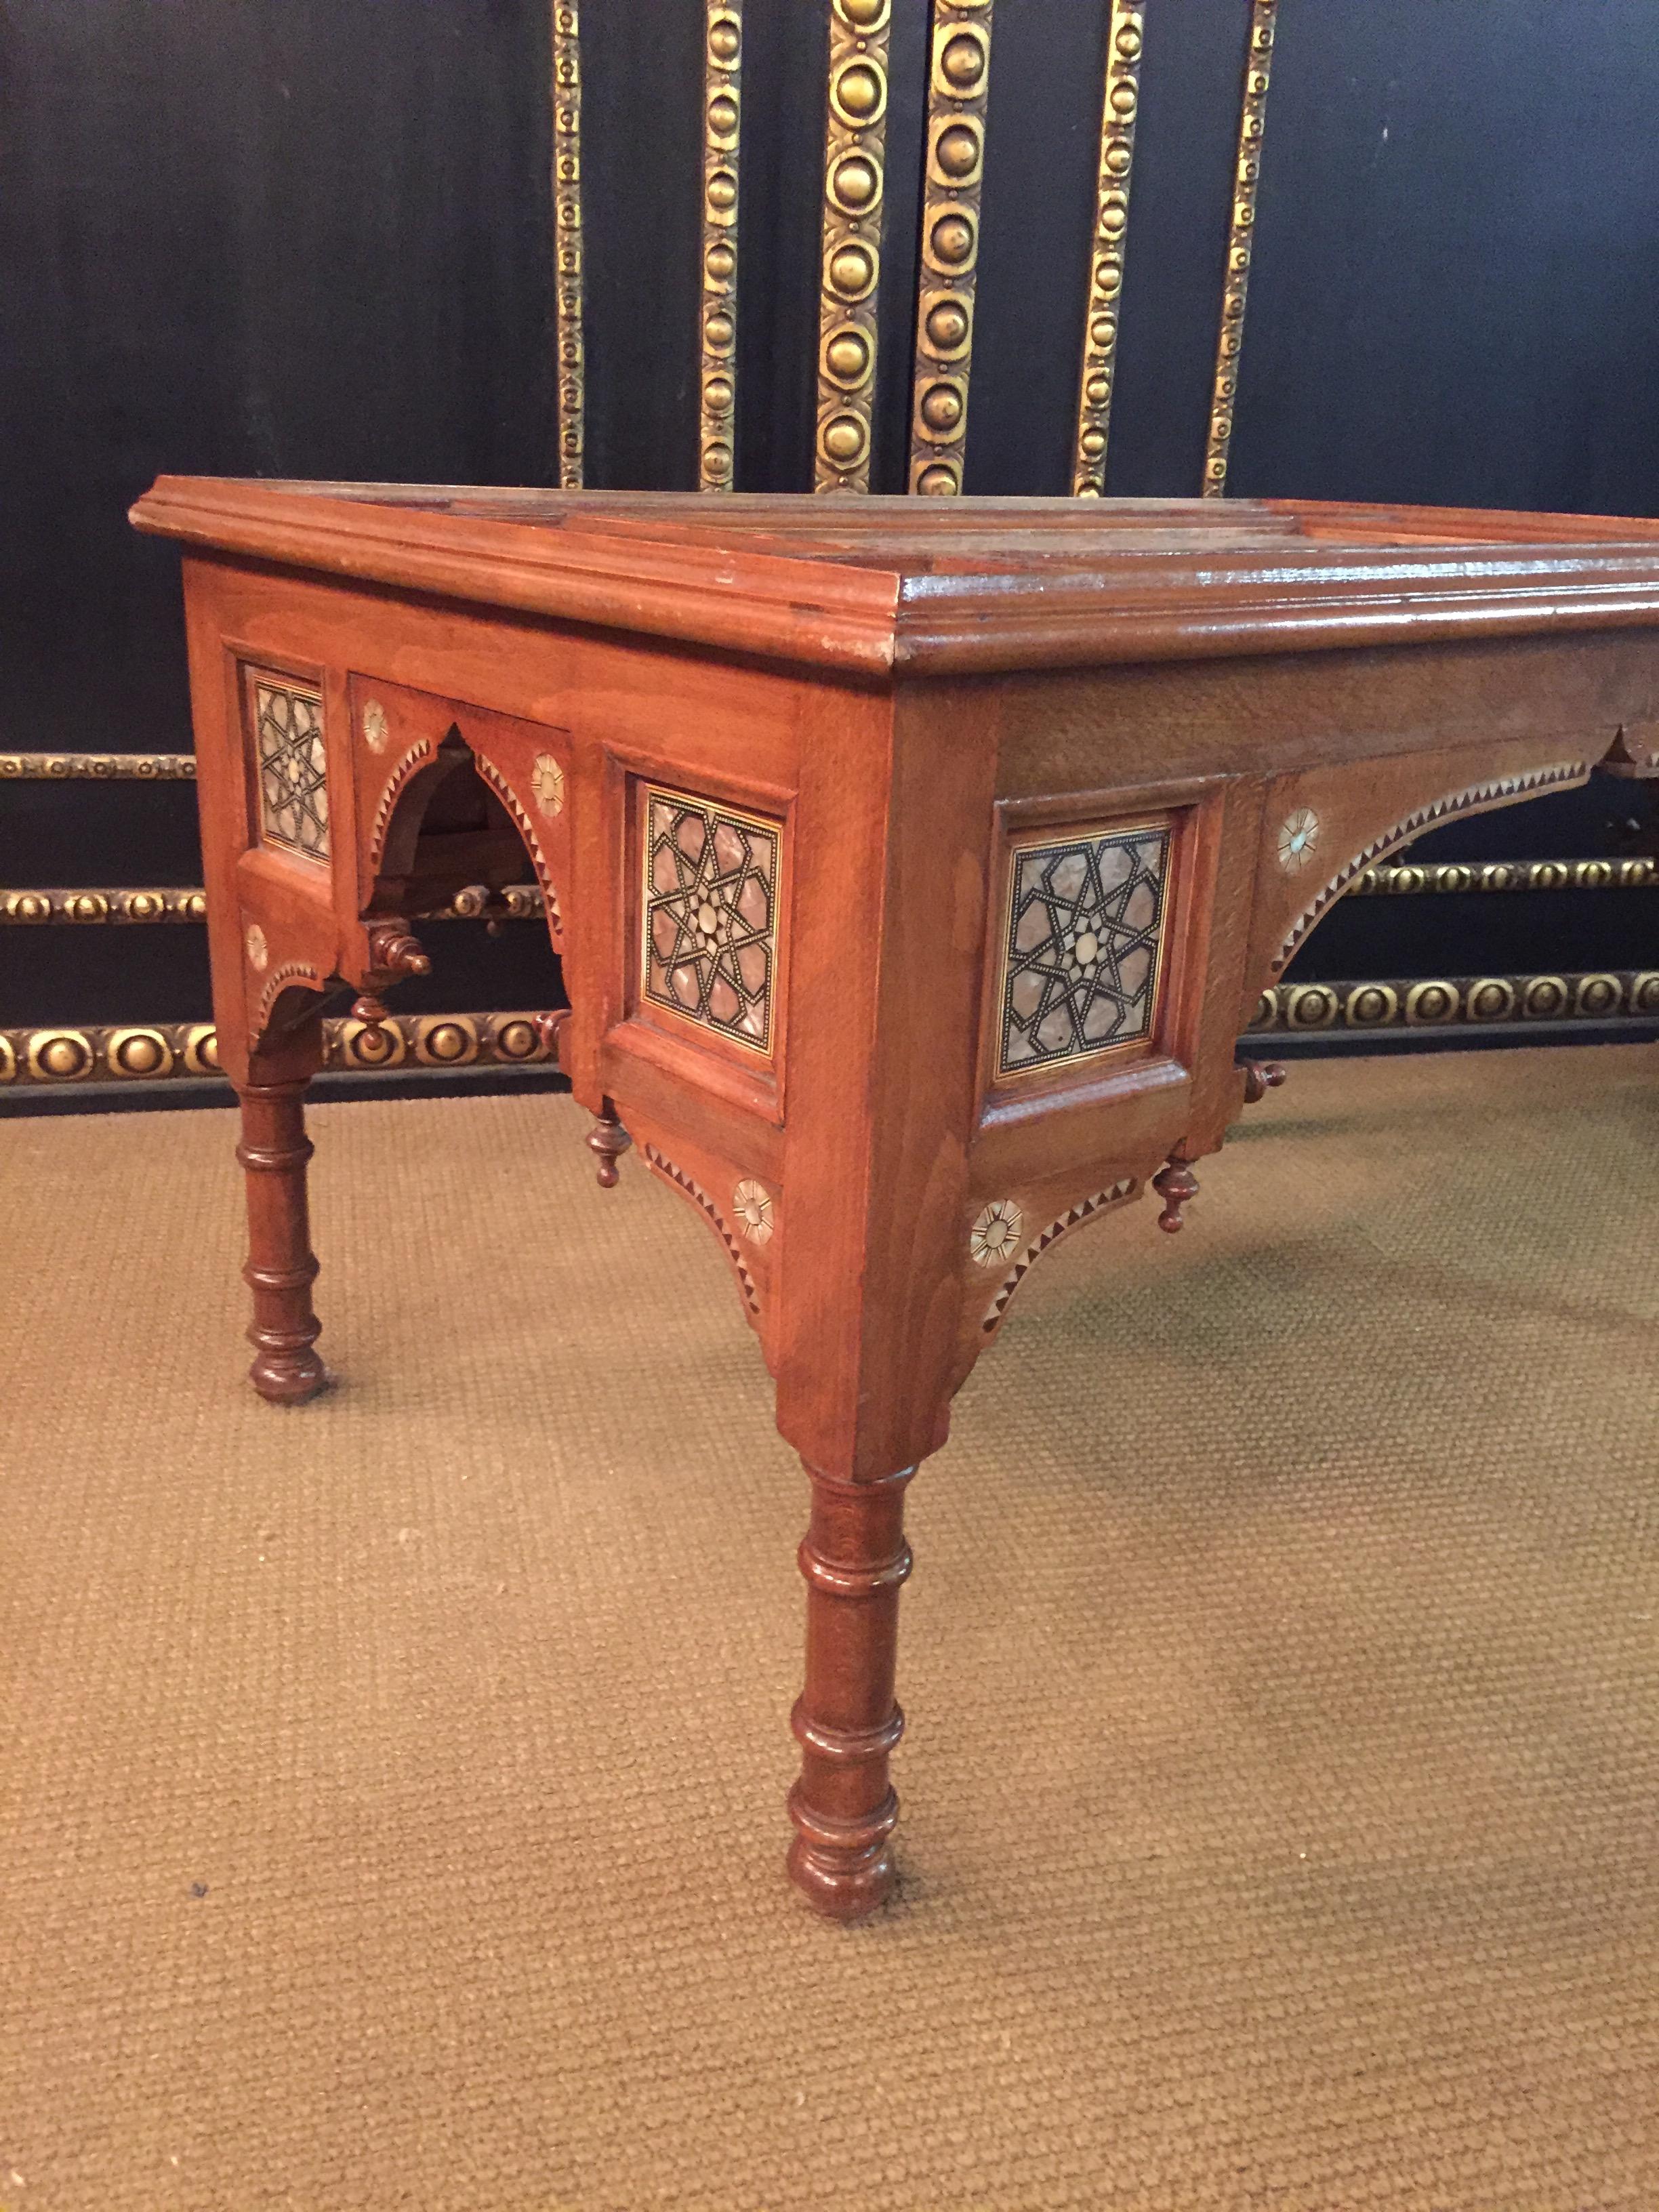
(691, 1188)
(1492, 792)
(64, 1055)
(1446, 1002)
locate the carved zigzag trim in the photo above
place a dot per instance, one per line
(694, 1191)
(1460, 802)
(291, 971)
(417, 757)
(508, 798)
(1085, 1210)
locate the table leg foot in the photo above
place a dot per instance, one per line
(847, 1721)
(281, 1268)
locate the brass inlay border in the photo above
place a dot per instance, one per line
(854, 201)
(721, 117)
(1450, 1002)
(567, 240)
(64, 1055)
(1119, 105)
(146, 768)
(170, 902)
(1252, 127)
(958, 84)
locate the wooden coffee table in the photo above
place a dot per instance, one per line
(914, 867)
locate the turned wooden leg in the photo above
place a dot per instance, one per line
(855, 1558)
(280, 1268)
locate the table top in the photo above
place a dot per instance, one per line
(884, 586)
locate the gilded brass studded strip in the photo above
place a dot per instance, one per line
(157, 1051)
(1119, 103)
(1451, 1002)
(568, 240)
(721, 115)
(30, 908)
(854, 201)
(1252, 124)
(26, 908)
(143, 767)
(958, 81)
(1403, 880)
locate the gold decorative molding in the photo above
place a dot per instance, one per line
(854, 201)
(567, 240)
(64, 1054)
(1496, 792)
(1404, 880)
(85, 907)
(958, 84)
(30, 908)
(1447, 1002)
(1247, 175)
(721, 117)
(1119, 103)
(144, 768)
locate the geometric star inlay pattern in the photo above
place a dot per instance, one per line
(1082, 946)
(293, 775)
(710, 944)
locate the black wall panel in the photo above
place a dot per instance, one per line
(312, 238)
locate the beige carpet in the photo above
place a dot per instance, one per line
(392, 1789)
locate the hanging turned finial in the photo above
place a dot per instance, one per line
(610, 1141)
(1262, 1076)
(1178, 1187)
(392, 954)
(393, 951)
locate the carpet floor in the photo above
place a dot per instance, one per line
(392, 1788)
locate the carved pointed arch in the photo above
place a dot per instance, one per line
(449, 818)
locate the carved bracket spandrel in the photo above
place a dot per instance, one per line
(1324, 829)
(745, 1210)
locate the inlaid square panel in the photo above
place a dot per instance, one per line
(1083, 945)
(287, 735)
(710, 902)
